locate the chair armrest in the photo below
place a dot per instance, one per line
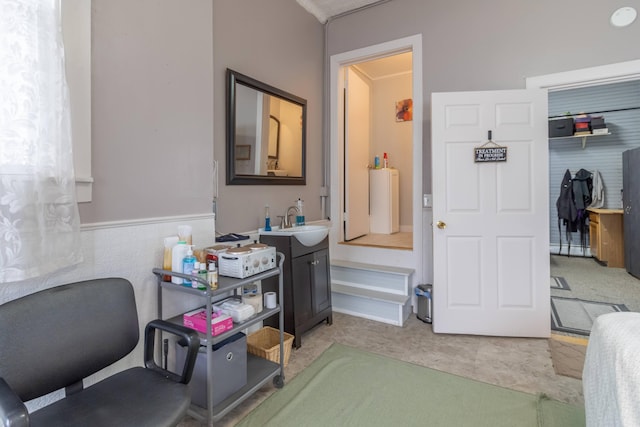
(186, 334)
(13, 413)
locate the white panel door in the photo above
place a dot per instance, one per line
(490, 220)
(357, 139)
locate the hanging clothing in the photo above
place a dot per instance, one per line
(567, 212)
(582, 187)
(597, 192)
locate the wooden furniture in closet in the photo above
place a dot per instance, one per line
(606, 236)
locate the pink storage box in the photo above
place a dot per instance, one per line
(197, 319)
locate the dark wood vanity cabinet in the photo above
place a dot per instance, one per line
(306, 285)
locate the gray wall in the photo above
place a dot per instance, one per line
(491, 44)
(278, 43)
(158, 88)
(158, 83)
(152, 109)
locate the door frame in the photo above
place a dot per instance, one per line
(586, 77)
(369, 254)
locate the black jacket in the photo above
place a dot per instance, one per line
(567, 211)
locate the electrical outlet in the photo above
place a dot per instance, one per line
(426, 200)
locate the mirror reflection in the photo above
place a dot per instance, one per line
(265, 133)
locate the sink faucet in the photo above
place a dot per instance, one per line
(286, 222)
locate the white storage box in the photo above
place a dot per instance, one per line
(239, 311)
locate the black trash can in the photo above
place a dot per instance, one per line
(425, 302)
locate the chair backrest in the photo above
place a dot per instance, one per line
(56, 337)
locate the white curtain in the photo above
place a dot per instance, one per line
(39, 221)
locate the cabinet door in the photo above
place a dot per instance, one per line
(301, 273)
(631, 209)
(321, 282)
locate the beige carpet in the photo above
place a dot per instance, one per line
(567, 355)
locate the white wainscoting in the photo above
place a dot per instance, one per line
(129, 249)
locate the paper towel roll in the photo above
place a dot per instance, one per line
(254, 300)
(270, 300)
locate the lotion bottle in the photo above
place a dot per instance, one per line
(267, 219)
(300, 215)
(199, 271)
(177, 255)
(188, 262)
(212, 276)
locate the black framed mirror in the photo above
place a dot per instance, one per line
(266, 133)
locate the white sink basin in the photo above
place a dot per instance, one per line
(308, 235)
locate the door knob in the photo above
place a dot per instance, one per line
(441, 225)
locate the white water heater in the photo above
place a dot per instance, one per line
(384, 201)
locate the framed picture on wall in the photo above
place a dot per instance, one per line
(404, 110)
(243, 152)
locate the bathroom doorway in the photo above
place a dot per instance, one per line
(417, 257)
(378, 140)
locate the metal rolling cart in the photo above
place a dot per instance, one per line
(259, 370)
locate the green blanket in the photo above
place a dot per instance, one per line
(351, 387)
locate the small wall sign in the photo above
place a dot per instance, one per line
(491, 154)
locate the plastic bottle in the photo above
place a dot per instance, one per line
(212, 276)
(177, 255)
(376, 162)
(169, 243)
(300, 215)
(385, 161)
(188, 263)
(202, 275)
(267, 219)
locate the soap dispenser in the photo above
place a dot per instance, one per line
(300, 215)
(188, 263)
(267, 219)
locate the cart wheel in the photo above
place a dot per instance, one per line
(278, 382)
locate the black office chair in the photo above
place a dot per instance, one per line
(55, 338)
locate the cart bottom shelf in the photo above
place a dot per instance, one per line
(259, 372)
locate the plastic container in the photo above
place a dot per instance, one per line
(425, 303)
(376, 162)
(300, 215)
(184, 233)
(267, 219)
(229, 369)
(188, 264)
(385, 161)
(169, 243)
(212, 276)
(178, 253)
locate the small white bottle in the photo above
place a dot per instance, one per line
(178, 253)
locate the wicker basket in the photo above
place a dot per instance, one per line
(265, 343)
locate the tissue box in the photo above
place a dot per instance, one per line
(235, 308)
(197, 319)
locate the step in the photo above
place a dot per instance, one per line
(370, 304)
(376, 277)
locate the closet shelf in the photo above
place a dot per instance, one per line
(584, 137)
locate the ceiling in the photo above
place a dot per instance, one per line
(387, 66)
(324, 10)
